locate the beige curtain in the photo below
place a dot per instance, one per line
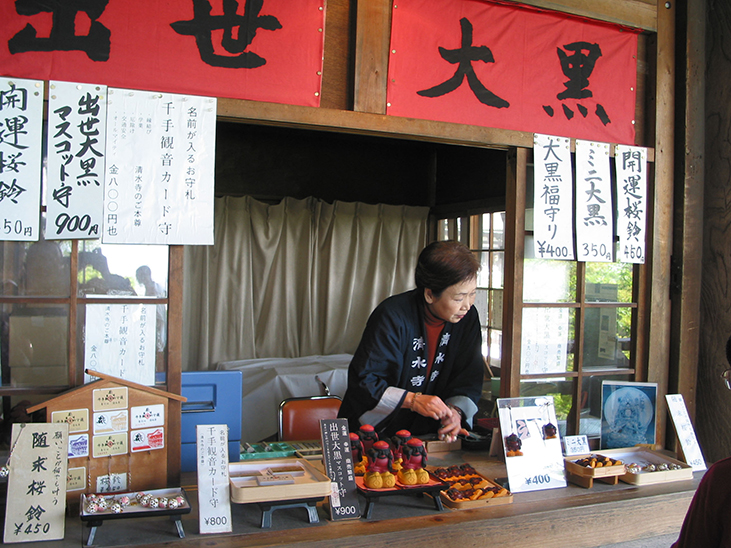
(294, 279)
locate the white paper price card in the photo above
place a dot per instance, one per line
(686, 433)
(214, 502)
(531, 443)
(576, 445)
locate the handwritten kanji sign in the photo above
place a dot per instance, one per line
(513, 67)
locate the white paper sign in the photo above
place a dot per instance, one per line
(160, 168)
(685, 431)
(77, 115)
(120, 341)
(594, 207)
(214, 513)
(631, 167)
(37, 483)
(553, 198)
(21, 144)
(576, 445)
(533, 456)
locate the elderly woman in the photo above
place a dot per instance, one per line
(419, 365)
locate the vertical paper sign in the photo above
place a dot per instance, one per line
(21, 140)
(594, 207)
(160, 168)
(553, 198)
(533, 456)
(631, 167)
(75, 143)
(37, 483)
(120, 341)
(214, 514)
(685, 432)
(544, 340)
(340, 468)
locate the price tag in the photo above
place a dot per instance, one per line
(340, 468)
(531, 443)
(576, 445)
(214, 502)
(686, 433)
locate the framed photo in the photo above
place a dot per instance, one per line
(629, 411)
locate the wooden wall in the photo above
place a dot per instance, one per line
(713, 409)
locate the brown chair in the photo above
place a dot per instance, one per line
(299, 418)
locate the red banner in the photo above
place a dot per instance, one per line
(262, 50)
(512, 67)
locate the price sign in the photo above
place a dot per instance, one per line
(339, 467)
(686, 433)
(214, 502)
(576, 445)
(532, 446)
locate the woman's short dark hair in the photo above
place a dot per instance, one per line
(445, 263)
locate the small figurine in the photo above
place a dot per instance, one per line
(512, 445)
(414, 461)
(380, 470)
(368, 436)
(549, 431)
(398, 441)
(360, 461)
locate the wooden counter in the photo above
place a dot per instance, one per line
(571, 516)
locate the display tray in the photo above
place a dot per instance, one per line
(433, 484)
(574, 467)
(478, 490)
(134, 508)
(276, 480)
(643, 458)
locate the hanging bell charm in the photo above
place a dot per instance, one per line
(4, 471)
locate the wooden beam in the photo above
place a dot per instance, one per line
(640, 14)
(373, 35)
(660, 219)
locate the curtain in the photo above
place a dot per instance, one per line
(294, 279)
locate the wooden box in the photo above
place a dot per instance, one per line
(644, 457)
(276, 480)
(463, 478)
(585, 475)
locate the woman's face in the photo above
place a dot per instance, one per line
(454, 302)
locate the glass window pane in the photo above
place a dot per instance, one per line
(114, 270)
(443, 229)
(498, 230)
(481, 305)
(547, 341)
(485, 236)
(498, 269)
(591, 403)
(483, 276)
(607, 337)
(496, 309)
(609, 282)
(495, 350)
(549, 281)
(36, 269)
(37, 345)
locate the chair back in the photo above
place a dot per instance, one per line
(299, 418)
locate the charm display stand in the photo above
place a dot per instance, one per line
(267, 508)
(432, 488)
(96, 519)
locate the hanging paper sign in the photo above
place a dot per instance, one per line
(553, 194)
(576, 445)
(21, 130)
(685, 432)
(37, 483)
(104, 399)
(214, 502)
(160, 168)
(544, 340)
(109, 422)
(631, 168)
(77, 117)
(594, 208)
(148, 439)
(77, 419)
(120, 341)
(532, 446)
(76, 478)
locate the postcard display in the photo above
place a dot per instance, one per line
(533, 455)
(116, 437)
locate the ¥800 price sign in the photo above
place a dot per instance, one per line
(533, 456)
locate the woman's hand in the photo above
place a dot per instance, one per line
(451, 426)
